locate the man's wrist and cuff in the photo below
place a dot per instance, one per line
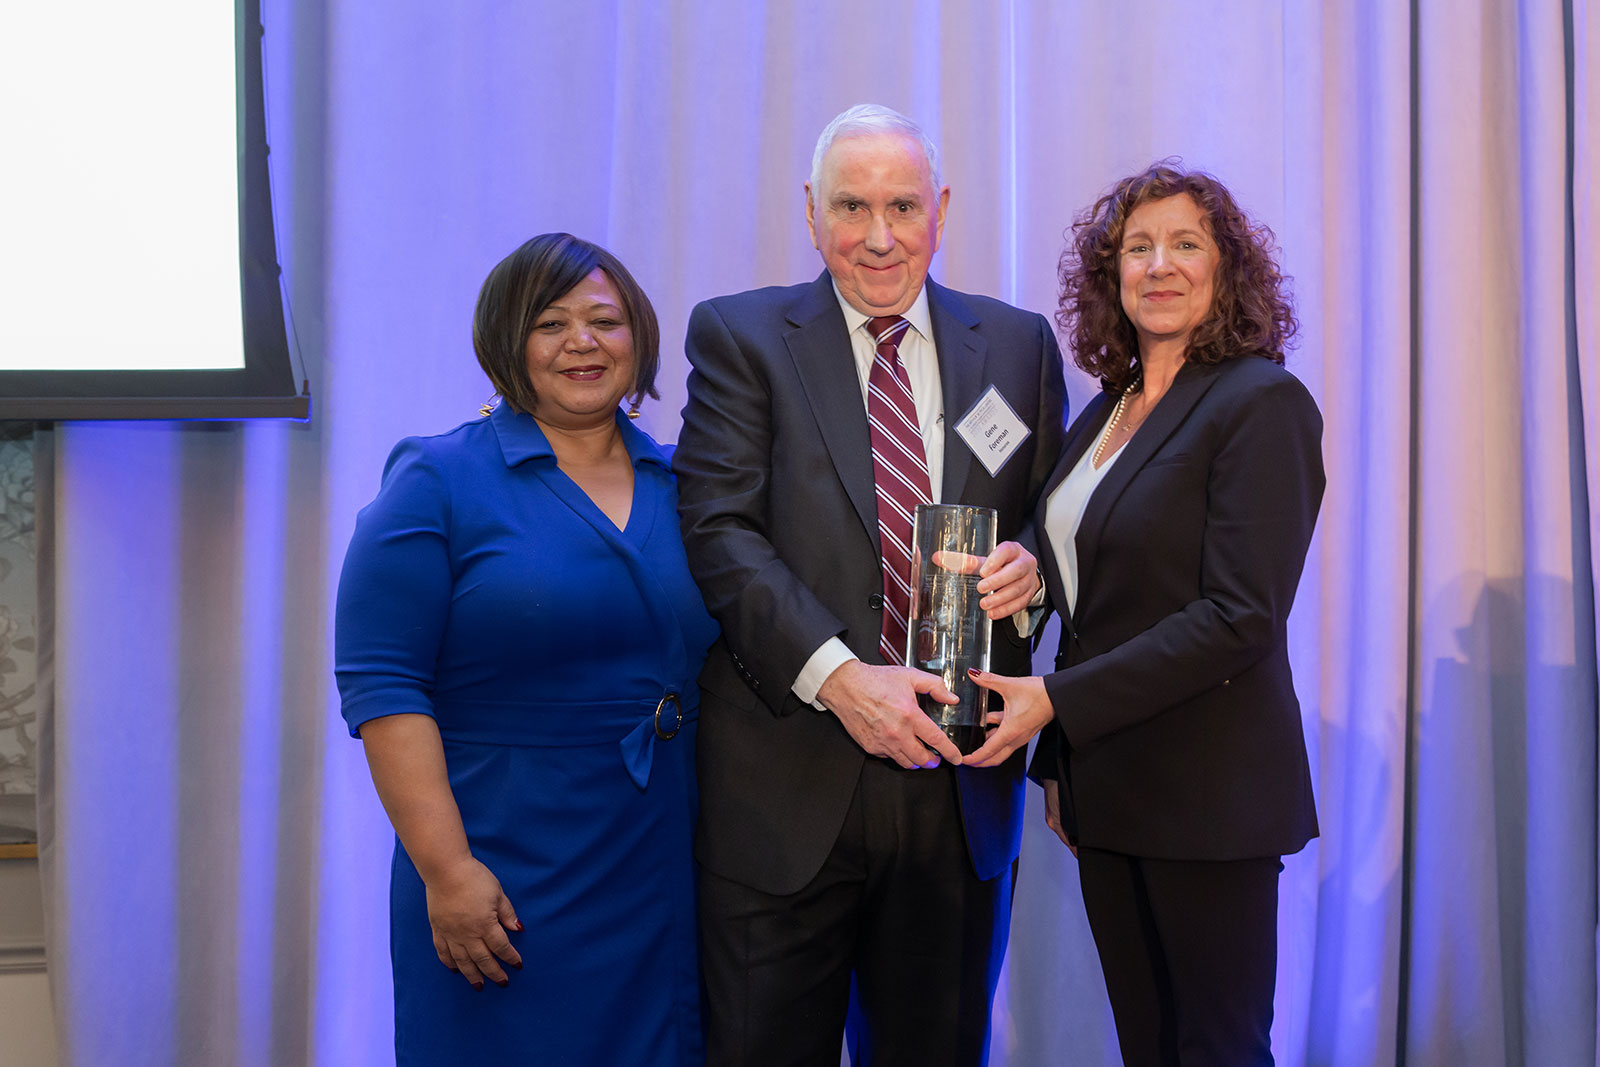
(1026, 620)
(833, 654)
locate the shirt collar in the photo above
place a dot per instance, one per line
(917, 314)
(521, 439)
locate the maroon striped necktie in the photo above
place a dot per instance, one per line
(901, 471)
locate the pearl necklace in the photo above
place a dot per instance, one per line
(1111, 428)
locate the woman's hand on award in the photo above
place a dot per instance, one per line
(1009, 577)
(470, 915)
(1027, 711)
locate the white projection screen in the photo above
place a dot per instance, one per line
(138, 267)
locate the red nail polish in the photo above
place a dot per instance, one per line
(478, 986)
(502, 983)
(519, 925)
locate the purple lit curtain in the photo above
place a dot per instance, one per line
(214, 854)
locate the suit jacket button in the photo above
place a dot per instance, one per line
(875, 601)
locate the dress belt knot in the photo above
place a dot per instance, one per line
(639, 746)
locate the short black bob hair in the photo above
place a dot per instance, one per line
(528, 281)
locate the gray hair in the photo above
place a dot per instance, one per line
(869, 119)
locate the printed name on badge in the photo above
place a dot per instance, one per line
(992, 430)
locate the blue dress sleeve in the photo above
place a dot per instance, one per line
(394, 592)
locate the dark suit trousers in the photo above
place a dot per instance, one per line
(897, 907)
(1190, 955)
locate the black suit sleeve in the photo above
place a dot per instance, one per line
(771, 621)
(1051, 431)
(1262, 494)
(1051, 434)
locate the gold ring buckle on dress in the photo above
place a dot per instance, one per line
(677, 725)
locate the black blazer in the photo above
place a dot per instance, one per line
(780, 523)
(1177, 728)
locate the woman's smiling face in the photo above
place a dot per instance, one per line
(1168, 263)
(580, 355)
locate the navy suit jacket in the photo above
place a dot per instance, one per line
(1177, 729)
(780, 524)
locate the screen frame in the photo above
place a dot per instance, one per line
(265, 387)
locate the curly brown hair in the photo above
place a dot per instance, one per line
(1250, 309)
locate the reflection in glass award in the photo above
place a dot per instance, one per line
(948, 631)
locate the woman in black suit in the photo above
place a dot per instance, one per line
(1175, 528)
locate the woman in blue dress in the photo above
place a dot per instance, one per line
(517, 642)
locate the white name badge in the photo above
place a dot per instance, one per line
(992, 430)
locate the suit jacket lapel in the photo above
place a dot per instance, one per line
(962, 354)
(820, 348)
(1186, 390)
(1084, 433)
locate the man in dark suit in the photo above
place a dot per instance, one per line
(845, 860)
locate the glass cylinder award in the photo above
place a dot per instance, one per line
(948, 631)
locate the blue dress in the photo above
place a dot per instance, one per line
(484, 588)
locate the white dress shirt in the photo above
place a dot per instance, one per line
(1063, 512)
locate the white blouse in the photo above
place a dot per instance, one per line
(1063, 512)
